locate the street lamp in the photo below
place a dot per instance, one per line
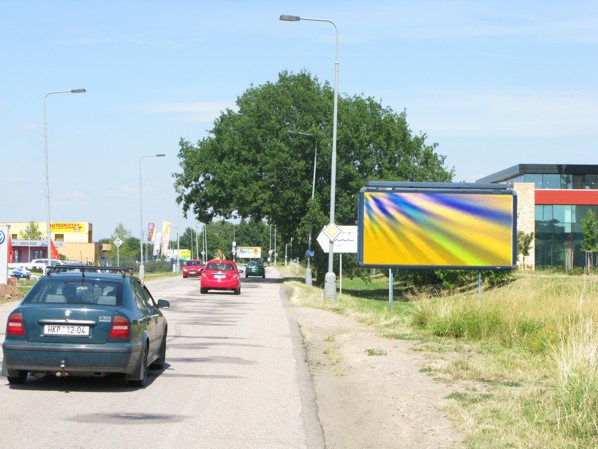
(141, 266)
(308, 280)
(330, 279)
(48, 230)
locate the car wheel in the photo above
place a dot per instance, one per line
(159, 362)
(238, 291)
(246, 275)
(264, 276)
(140, 380)
(20, 378)
(203, 291)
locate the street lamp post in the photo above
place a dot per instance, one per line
(48, 229)
(330, 279)
(308, 280)
(141, 266)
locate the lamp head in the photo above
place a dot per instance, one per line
(288, 18)
(78, 91)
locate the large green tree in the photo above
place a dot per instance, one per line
(250, 166)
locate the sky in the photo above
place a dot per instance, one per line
(494, 83)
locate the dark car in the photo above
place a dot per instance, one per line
(255, 268)
(80, 321)
(220, 275)
(192, 268)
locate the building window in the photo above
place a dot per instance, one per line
(59, 237)
(536, 179)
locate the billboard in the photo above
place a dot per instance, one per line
(249, 252)
(447, 227)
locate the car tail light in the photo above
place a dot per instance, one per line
(15, 326)
(121, 328)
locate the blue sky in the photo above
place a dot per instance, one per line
(495, 83)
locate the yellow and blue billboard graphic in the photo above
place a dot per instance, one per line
(437, 228)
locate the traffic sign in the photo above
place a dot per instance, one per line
(331, 231)
(344, 242)
(118, 242)
(309, 253)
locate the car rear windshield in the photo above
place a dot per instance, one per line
(80, 291)
(220, 266)
(193, 262)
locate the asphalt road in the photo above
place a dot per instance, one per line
(235, 377)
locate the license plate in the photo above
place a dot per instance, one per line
(219, 276)
(66, 329)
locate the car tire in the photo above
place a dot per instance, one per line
(161, 360)
(238, 291)
(141, 373)
(20, 378)
(264, 276)
(203, 291)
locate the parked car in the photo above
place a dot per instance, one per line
(21, 272)
(220, 275)
(255, 268)
(86, 323)
(192, 268)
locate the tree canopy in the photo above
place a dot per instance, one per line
(250, 166)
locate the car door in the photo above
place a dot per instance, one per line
(151, 316)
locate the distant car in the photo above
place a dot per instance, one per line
(86, 323)
(192, 268)
(21, 272)
(255, 268)
(220, 275)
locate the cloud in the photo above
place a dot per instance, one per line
(187, 112)
(506, 113)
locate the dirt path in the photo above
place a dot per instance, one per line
(371, 392)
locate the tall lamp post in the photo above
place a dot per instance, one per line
(330, 279)
(48, 230)
(308, 280)
(141, 266)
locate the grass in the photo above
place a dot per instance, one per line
(522, 358)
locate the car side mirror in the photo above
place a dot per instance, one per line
(163, 304)
(240, 271)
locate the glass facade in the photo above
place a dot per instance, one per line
(556, 181)
(559, 234)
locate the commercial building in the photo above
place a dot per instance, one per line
(73, 240)
(553, 201)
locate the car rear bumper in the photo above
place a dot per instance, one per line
(219, 285)
(110, 358)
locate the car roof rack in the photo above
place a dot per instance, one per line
(124, 271)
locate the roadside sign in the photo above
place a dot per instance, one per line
(309, 253)
(118, 242)
(331, 231)
(344, 242)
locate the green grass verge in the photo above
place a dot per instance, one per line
(522, 358)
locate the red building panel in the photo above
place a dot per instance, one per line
(574, 197)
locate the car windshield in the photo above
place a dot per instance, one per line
(80, 291)
(220, 266)
(193, 262)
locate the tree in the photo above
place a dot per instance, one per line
(31, 232)
(249, 166)
(590, 239)
(524, 244)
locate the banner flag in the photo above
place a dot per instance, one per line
(165, 236)
(157, 243)
(55, 254)
(11, 254)
(151, 227)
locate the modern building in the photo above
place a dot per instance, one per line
(553, 201)
(73, 240)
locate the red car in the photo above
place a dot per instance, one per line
(220, 275)
(192, 267)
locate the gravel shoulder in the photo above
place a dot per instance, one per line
(371, 391)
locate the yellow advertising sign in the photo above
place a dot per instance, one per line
(68, 227)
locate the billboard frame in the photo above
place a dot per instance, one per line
(442, 189)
